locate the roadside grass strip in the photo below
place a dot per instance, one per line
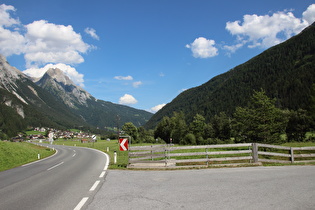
(14, 154)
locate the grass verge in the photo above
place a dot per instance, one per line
(13, 154)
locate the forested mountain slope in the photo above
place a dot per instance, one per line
(23, 104)
(56, 102)
(95, 112)
(286, 72)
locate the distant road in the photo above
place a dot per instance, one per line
(285, 187)
(68, 180)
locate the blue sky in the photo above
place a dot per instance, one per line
(143, 53)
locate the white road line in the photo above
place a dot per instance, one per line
(27, 164)
(102, 174)
(81, 203)
(55, 166)
(73, 154)
(106, 155)
(95, 185)
(107, 161)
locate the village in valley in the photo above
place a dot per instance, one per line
(42, 133)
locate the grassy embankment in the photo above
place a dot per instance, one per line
(13, 154)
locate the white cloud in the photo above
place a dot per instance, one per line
(71, 72)
(92, 33)
(157, 108)
(123, 78)
(136, 84)
(309, 14)
(48, 42)
(127, 100)
(11, 41)
(203, 48)
(182, 90)
(5, 17)
(41, 42)
(268, 30)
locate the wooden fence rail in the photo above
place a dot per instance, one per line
(225, 154)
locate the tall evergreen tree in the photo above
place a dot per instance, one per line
(180, 127)
(197, 126)
(163, 129)
(261, 121)
(298, 125)
(222, 126)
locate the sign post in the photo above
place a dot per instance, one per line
(51, 137)
(123, 143)
(93, 139)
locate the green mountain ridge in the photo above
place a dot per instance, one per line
(286, 72)
(26, 104)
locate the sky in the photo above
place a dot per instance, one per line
(143, 53)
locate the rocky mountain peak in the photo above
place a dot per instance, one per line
(8, 74)
(60, 85)
(59, 76)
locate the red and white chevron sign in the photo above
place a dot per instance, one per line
(123, 142)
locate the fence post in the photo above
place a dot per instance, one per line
(292, 154)
(255, 152)
(165, 149)
(207, 157)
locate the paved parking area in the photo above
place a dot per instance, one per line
(285, 187)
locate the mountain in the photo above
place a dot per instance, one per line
(23, 103)
(60, 85)
(55, 101)
(286, 72)
(95, 112)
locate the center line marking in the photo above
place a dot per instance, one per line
(102, 174)
(95, 185)
(81, 203)
(55, 166)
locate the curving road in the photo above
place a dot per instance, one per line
(67, 180)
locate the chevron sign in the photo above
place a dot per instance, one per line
(123, 142)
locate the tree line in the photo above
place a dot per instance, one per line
(260, 121)
(285, 72)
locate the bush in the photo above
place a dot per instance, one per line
(189, 139)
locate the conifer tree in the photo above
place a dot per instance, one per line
(261, 121)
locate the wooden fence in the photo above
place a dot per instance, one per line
(164, 156)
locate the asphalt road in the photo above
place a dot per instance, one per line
(68, 180)
(285, 187)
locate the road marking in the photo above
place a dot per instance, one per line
(95, 185)
(106, 155)
(102, 174)
(27, 164)
(55, 166)
(73, 154)
(107, 161)
(81, 203)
